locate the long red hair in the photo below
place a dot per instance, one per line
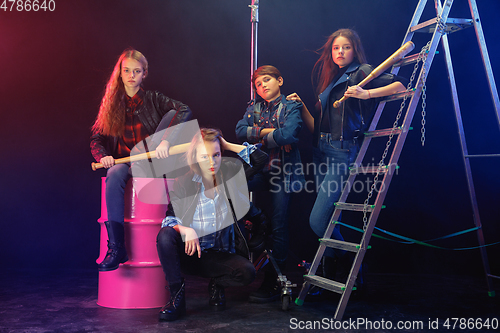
(111, 117)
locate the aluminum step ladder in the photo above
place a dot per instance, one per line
(439, 27)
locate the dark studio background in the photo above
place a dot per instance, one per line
(54, 66)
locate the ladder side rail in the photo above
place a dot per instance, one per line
(379, 200)
(406, 124)
(468, 171)
(485, 57)
(395, 69)
(409, 33)
(335, 215)
(372, 220)
(376, 116)
(414, 21)
(312, 271)
(388, 176)
(321, 249)
(353, 274)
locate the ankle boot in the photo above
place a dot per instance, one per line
(345, 264)
(117, 253)
(259, 225)
(268, 291)
(217, 294)
(176, 307)
(329, 267)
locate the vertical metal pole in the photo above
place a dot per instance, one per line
(253, 55)
(253, 48)
(486, 58)
(465, 152)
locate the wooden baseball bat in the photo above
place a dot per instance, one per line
(182, 148)
(395, 57)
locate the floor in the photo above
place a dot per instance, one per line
(66, 302)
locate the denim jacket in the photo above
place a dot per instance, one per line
(290, 124)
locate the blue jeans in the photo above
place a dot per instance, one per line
(280, 200)
(117, 177)
(116, 180)
(228, 269)
(332, 163)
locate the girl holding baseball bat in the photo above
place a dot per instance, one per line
(337, 130)
(128, 114)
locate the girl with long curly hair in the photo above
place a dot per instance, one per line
(127, 116)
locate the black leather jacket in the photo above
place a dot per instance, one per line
(354, 116)
(155, 106)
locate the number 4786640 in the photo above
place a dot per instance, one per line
(28, 5)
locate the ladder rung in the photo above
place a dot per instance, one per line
(363, 170)
(325, 283)
(341, 245)
(397, 96)
(382, 132)
(452, 25)
(354, 207)
(483, 155)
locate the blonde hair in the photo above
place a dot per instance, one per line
(204, 135)
(111, 117)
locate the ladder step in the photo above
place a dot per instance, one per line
(363, 170)
(383, 132)
(325, 283)
(452, 25)
(398, 96)
(482, 155)
(354, 207)
(341, 245)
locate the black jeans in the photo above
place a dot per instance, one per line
(228, 269)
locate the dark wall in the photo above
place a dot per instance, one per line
(54, 66)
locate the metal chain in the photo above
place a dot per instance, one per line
(441, 25)
(424, 54)
(421, 57)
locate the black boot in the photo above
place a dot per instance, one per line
(268, 291)
(258, 232)
(329, 267)
(117, 253)
(345, 264)
(176, 307)
(217, 294)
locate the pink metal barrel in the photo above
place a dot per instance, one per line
(140, 282)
